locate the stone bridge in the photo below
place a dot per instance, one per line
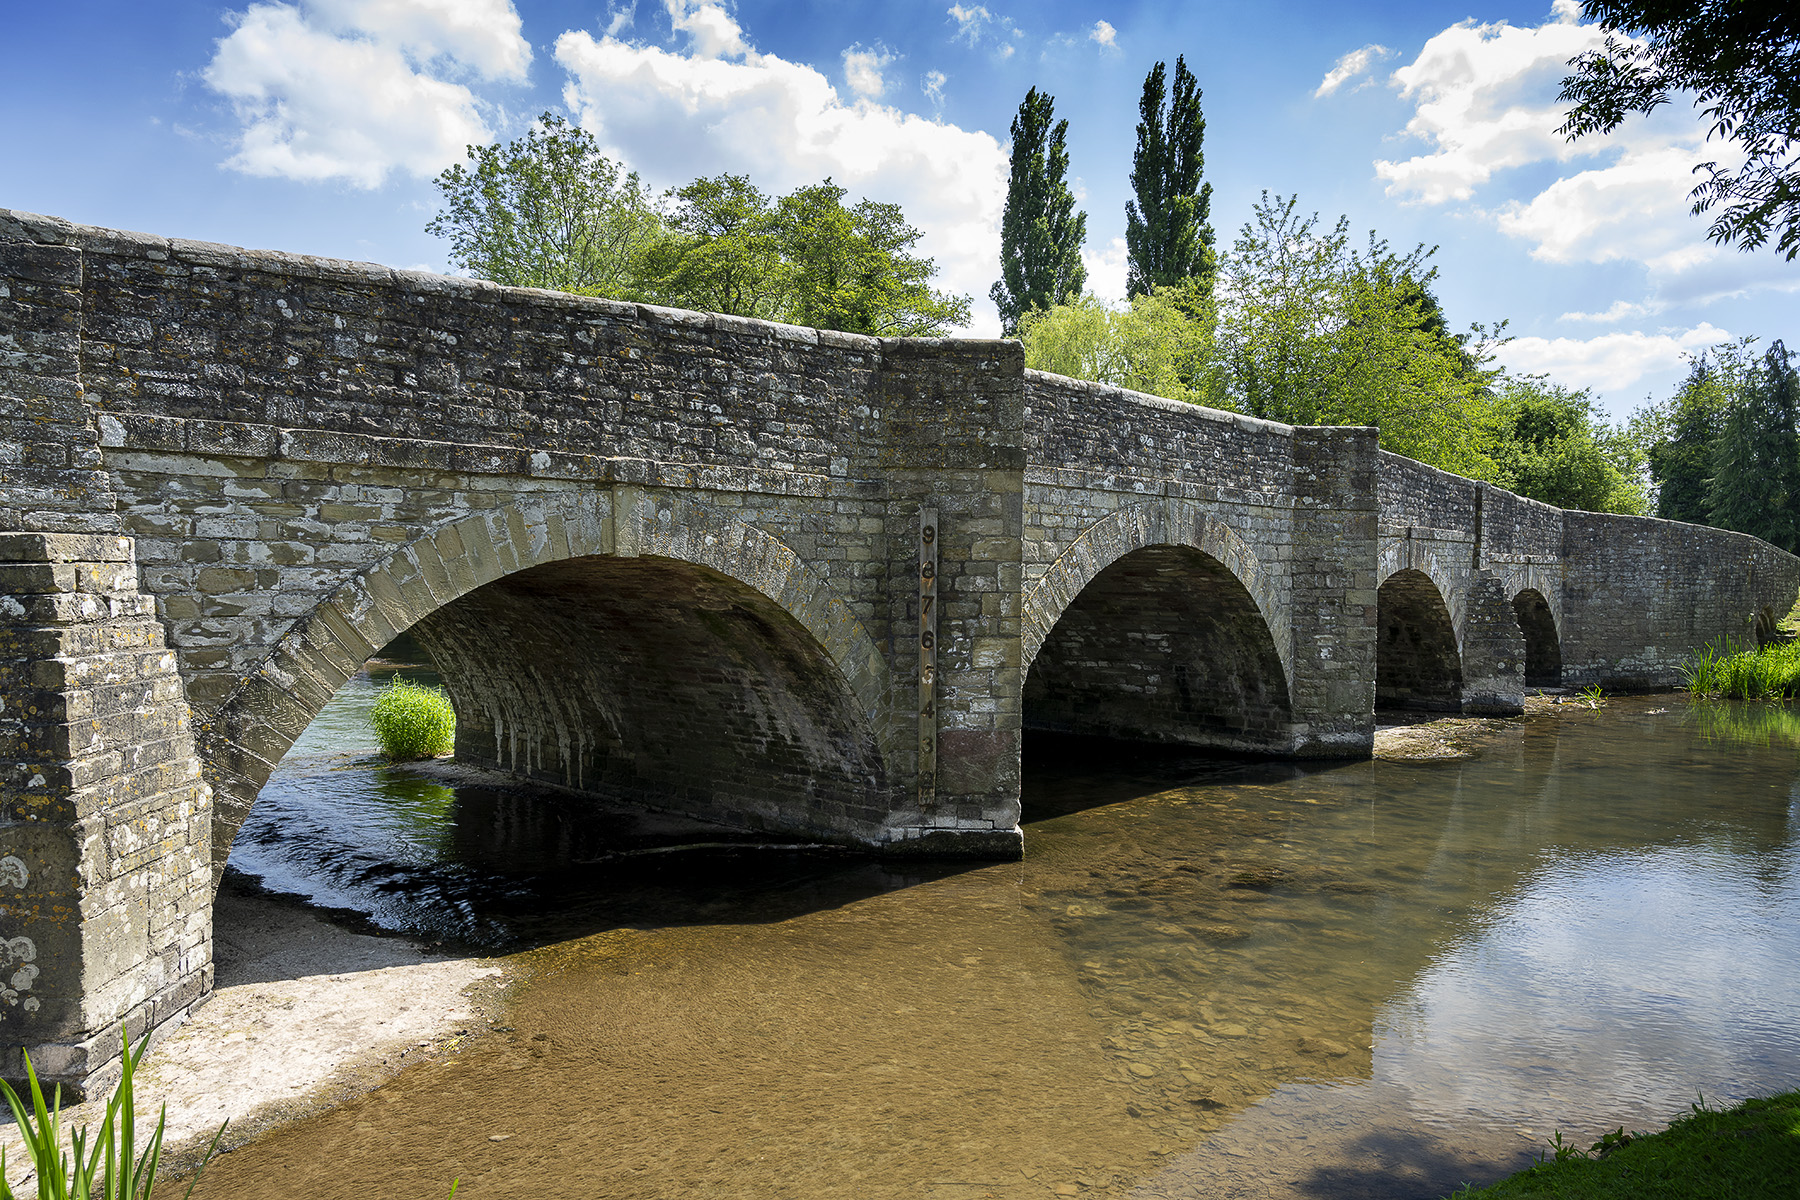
(786, 579)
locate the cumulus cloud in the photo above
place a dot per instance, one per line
(1611, 361)
(976, 23)
(1484, 99)
(1106, 270)
(1104, 34)
(1351, 66)
(353, 90)
(862, 70)
(677, 115)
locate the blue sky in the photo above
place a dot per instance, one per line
(317, 126)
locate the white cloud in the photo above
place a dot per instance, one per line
(1485, 100)
(1619, 310)
(674, 116)
(333, 89)
(1485, 104)
(712, 31)
(970, 21)
(1104, 34)
(1611, 361)
(1350, 66)
(862, 70)
(1106, 270)
(933, 87)
(621, 19)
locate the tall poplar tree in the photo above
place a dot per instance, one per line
(1041, 234)
(1756, 463)
(1168, 235)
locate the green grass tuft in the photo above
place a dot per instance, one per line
(1750, 1151)
(413, 721)
(105, 1165)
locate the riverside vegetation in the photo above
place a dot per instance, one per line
(413, 721)
(104, 1166)
(1749, 1151)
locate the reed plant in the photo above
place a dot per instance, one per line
(413, 721)
(108, 1165)
(1738, 673)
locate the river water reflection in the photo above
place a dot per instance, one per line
(1209, 979)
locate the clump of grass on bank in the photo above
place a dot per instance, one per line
(1769, 673)
(103, 1165)
(1750, 1151)
(413, 721)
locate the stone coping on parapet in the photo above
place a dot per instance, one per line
(16, 225)
(1186, 408)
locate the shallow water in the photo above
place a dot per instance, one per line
(1208, 978)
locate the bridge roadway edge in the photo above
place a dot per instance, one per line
(205, 452)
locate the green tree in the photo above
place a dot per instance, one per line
(1552, 446)
(1159, 343)
(1740, 60)
(1756, 460)
(1680, 435)
(1041, 234)
(851, 268)
(1168, 234)
(1311, 332)
(723, 253)
(547, 211)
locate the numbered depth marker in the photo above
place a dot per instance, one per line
(928, 561)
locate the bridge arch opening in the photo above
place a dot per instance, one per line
(1543, 648)
(659, 683)
(1163, 645)
(1417, 664)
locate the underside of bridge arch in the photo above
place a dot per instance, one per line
(661, 683)
(1416, 660)
(1543, 649)
(1164, 645)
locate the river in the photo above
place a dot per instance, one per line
(1209, 978)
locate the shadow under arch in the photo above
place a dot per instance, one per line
(1417, 662)
(1169, 522)
(1543, 645)
(1155, 639)
(782, 613)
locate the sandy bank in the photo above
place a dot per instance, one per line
(306, 1014)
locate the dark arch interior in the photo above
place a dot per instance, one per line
(1416, 661)
(660, 683)
(1543, 649)
(1165, 645)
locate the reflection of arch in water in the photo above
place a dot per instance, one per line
(564, 626)
(1417, 664)
(1543, 647)
(1147, 629)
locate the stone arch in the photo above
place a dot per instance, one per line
(271, 707)
(1543, 642)
(1147, 629)
(1418, 663)
(1170, 522)
(1406, 554)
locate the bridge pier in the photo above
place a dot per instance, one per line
(105, 877)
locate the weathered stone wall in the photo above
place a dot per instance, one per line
(1639, 593)
(105, 909)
